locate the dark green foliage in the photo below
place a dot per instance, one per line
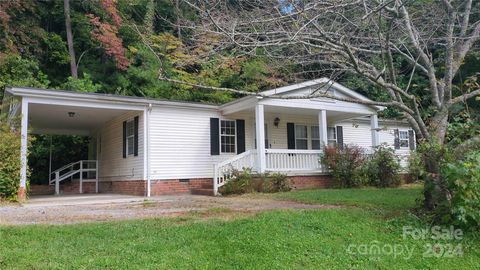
(10, 163)
(65, 149)
(463, 178)
(241, 183)
(18, 71)
(345, 164)
(271, 183)
(382, 167)
(244, 182)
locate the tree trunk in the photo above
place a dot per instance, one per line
(177, 13)
(435, 191)
(68, 27)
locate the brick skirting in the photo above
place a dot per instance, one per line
(130, 187)
(165, 187)
(311, 181)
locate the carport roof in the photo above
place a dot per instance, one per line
(99, 97)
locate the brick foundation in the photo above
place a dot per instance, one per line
(311, 181)
(164, 187)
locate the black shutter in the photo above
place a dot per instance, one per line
(411, 139)
(135, 136)
(291, 135)
(124, 139)
(240, 136)
(397, 138)
(214, 136)
(339, 136)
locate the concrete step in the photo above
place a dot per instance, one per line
(203, 191)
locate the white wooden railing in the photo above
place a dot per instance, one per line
(72, 169)
(224, 170)
(283, 160)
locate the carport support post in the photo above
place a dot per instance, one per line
(23, 151)
(322, 125)
(374, 126)
(260, 135)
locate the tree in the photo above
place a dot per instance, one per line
(68, 29)
(386, 43)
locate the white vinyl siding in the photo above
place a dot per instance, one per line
(180, 142)
(112, 165)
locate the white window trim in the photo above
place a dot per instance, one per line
(130, 136)
(234, 136)
(400, 139)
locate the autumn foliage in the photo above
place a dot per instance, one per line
(107, 34)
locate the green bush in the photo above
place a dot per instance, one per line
(271, 183)
(345, 164)
(10, 164)
(244, 182)
(382, 167)
(463, 179)
(240, 183)
(416, 167)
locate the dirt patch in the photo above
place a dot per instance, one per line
(202, 207)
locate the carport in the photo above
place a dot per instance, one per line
(59, 112)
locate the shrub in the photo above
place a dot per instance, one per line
(244, 182)
(240, 183)
(382, 167)
(463, 179)
(416, 167)
(10, 164)
(276, 182)
(344, 164)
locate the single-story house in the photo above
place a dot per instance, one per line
(149, 147)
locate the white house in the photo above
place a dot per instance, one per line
(149, 147)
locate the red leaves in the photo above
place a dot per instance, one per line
(106, 34)
(109, 6)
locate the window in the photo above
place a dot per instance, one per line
(315, 138)
(301, 139)
(227, 136)
(404, 138)
(331, 136)
(130, 137)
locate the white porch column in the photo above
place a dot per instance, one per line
(322, 125)
(146, 146)
(374, 127)
(23, 150)
(260, 136)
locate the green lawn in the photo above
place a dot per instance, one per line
(312, 239)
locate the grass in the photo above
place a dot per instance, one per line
(402, 198)
(302, 239)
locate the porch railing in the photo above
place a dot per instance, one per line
(224, 171)
(282, 160)
(69, 171)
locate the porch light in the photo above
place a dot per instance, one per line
(71, 114)
(276, 121)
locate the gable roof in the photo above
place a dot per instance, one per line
(326, 81)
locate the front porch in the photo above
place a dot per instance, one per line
(293, 135)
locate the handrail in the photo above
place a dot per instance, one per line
(235, 158)
(60, 177)
(224, 170)
(292, 151)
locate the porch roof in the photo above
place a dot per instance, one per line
(304, 89)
